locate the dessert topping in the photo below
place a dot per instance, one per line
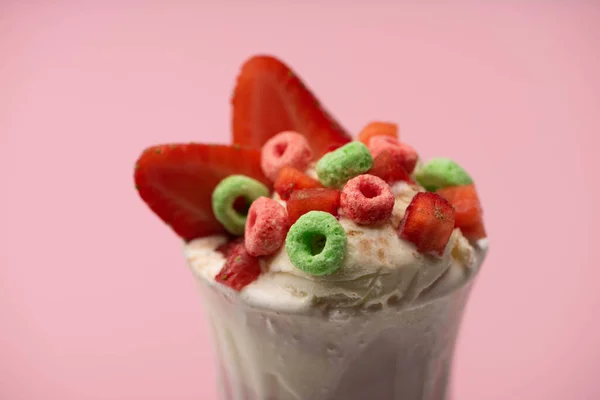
(367, 200)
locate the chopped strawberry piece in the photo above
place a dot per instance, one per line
(226, 247)
(333, 147)
(240, 269)
(428, 223)
(290, 179)
(269, 98)
(406, 155)
(389, 168)
(378, 128)
(318, 199)
(469, 215)
(176, 181)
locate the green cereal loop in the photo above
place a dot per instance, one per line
(441, 172)
(316, 243)
(336, 168)
(224, 196)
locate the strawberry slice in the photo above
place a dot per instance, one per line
(428, 223)
(269, 98)
(240, 269)
(177, 180)
(469, 215)
(290, 179)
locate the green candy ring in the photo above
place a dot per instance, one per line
(316, 243)
(225, 195)
(440, 173)
(336, 168)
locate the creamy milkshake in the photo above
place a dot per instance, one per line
(329, 267)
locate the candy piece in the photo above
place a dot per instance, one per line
(405, 155)
(225, 195)
(469, 215)
(266, 227)
(240, 269)
(428, 223)
(378, 128)
(176, 182)
(335, 168)
(290, 179)
(387, 167)
(316, 243)
(319, 199)
(270, 98)
(367, 200)
(441, 172)
(285, 149)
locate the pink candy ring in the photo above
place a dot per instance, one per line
(367, 199)
(285, 149)
(266, 227)
(403, 153)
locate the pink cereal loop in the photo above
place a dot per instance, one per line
(367, 199)
(285, 149)
(266, 227)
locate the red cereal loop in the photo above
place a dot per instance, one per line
(404, 154)
(367, 199)
(285, 149)
(266, 227)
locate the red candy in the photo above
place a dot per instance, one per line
(404, 154)
(387, 167)
(240, 269)
(469, 214)
(428, 223)
(367, 199)
(318, 199)
(266, 227)
(290, 179)
(285, 148)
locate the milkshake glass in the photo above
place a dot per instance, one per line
(399, 350)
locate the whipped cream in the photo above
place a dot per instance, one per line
(379, 267)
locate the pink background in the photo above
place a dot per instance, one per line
(96, 302)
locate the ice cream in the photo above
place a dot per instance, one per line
(330, 268)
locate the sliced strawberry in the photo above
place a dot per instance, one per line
(176, 181)
(428, 223)
(269, 98)
(319, 199)
(229, 245)
(240, 269)
(378, 128)
(290, 179)
(469, 215)
(388, 167)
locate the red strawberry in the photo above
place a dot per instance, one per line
(176, 181)
(387, 167)
(428, 223)
(290, 179)
(319, 199)
(269, 98)
(377, 128)
(240, 269)
(468, 210)
(229, 245)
